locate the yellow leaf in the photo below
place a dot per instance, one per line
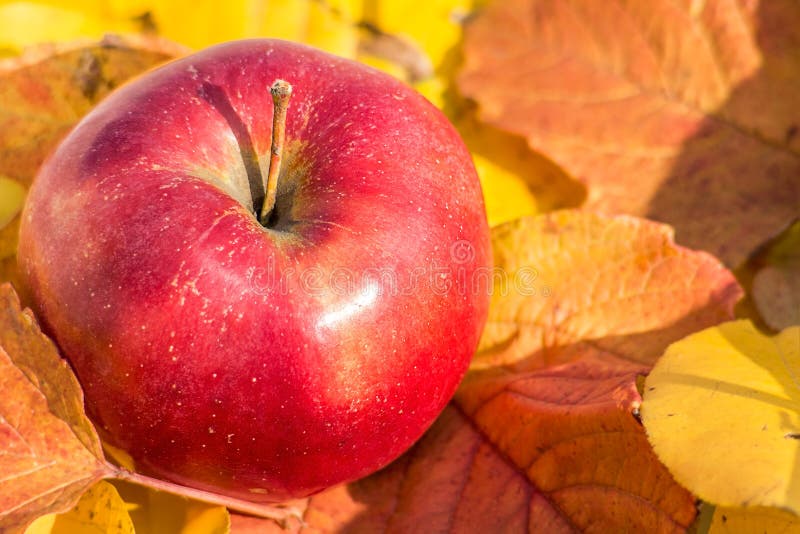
(199, 23)
(756, 520)
(49, 451)
(516, 181)
(100, 509)
(506, 195)
(433, 24)
(722, 410)
(571, 283)
(776, 286)
(155, 512)
(25, 23)
(119, 457)
(12, 194)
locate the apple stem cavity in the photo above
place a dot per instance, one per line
(281, 91)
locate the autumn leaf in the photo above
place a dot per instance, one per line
(776, 285)
(155, 511)
(100, 509)
(734, 394)
(516, 182)
(198, 24)
(51, 453)
(684, 113)
(573, 283)
(756, 520)
(47, 90)
(30, 23)
(12, 195)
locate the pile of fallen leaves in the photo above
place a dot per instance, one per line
(641, 168)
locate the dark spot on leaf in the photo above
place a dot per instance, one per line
(792, 435)
(88, 74)
(791, 132)
(724, 518)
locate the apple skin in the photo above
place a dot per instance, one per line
(261, 363)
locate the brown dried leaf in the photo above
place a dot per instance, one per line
(49, 451)
(37, 357)
(681, 112)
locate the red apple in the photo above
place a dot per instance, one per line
(262, 362)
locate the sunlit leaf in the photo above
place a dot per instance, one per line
(571, 283)
(153, 512)
(99, 510)
(328, 25)
(28, 23)
(49, 451)
(47, 90)
(12, 194)
(722, 410)
(516, 182)
(681, 112)
(755, 520)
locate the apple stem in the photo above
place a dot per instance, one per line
(281, 91)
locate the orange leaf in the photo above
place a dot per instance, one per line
(681, 112)
(570, 433)
(48, 89)
(574, 283)
(49, 451)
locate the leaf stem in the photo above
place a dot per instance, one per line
(281, 91)
(280, 512)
